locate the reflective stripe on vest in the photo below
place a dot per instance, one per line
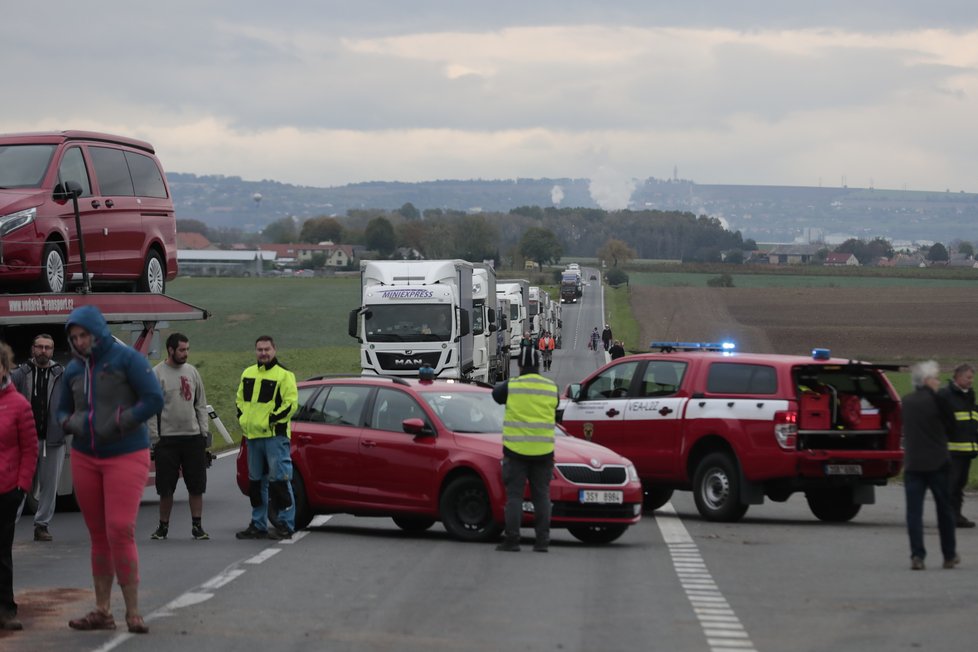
(528, 427)
(962, 446)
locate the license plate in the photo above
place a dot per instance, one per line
(601, 497)
(843, 469)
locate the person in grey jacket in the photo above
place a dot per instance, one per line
(39, 380)
(927, 421)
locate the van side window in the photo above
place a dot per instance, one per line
(73, 168)
(112, 171)
(734, 378)
(147, 180)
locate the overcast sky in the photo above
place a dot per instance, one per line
(326, 93)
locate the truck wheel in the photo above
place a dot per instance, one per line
(153, 278)
(654, 497)
(716, 488)
(53, 273)
(413, 523)
(832, 505)
(597, 532)
(466, 511)
(303, 513)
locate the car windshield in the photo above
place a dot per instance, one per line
(409, 323)
(474, 412)
(23, 166)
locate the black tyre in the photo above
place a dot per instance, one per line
(53, 271)
(413, 523)
(654, 497)
(597, 533)
(153, 278)
(466, 510)
(832, 505)
(716, 488)
(303, 513)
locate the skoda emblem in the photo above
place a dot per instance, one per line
(588, 431)
(595, 463)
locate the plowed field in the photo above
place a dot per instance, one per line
(878, 324)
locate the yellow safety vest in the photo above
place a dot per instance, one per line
(266, 399)
(531, 405)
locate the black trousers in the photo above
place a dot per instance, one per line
(960, 467)
(9, 503)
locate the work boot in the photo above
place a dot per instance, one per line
(279, 532)
(963, 522)
(251, 532)
(916, 563)
(509, 544)
(41, 533)
(952, 562)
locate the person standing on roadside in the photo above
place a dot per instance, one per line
(109, 394)
(927, 420)
(39, 380)
(963, 443)
(546, 344)
(179, 435)
(617, 350)
(528, 449)
(267, 397)
(18, 458)
(606, 337)
(595, 338)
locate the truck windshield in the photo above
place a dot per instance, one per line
(409, 323)
(23, 166)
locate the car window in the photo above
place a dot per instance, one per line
(391, 407)
(613, 382)
(308, 410)
(73, 168)
(147, 180)
(469, 412)
(662, 378)
(343, 405)
(112, 171)
(738, 378)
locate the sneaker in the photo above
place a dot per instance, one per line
(10, 623)
(197, 532)
(952, 562)
(41, 533)
(541, 546)
(916, 563)
(509, 545)
(964, 522)
(279, 532)
(160, 533)
(252, 532)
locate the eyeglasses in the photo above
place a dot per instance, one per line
(44, 347)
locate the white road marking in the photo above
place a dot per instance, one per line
(722, 628)
(263, 556)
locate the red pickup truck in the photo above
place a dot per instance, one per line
(737, 427)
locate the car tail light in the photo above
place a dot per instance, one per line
(786, 429)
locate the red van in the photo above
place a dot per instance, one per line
(126, 213)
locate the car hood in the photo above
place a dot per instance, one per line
(17, 199)
(567, 450)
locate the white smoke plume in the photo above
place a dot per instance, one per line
(611, 190)
(556, 195)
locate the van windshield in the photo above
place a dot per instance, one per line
(23, 166)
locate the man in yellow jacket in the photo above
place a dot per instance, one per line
(528, 448)
(267, 397)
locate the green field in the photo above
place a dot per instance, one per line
(699, 279)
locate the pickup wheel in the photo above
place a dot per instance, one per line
(833, 505)
(716, 488)
(303, 513)
(655, 497)
(597, 532)
(413, 523)
(466, 510)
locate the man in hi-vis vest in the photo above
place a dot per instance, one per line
(528, 448)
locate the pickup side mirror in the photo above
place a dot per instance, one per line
(417, 427)
(573, 392)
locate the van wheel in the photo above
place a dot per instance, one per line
(466, 511)
(153, 278)
(655, 497)
(52, 269)
(716, 488)
(832, 505)
(303, 513)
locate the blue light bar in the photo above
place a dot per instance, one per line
(821, 354)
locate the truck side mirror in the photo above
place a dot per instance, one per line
(351, 325)
(463, 323)
(493, 328)
(492, 316)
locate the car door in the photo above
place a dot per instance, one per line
(397, 468)
(598, 414)
(653, 419)
(120, 238)
(73, 167)
(326, 442)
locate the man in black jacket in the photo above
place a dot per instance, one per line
(962, 442)
(927, 421)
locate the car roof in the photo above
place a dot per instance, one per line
(57, 137)
(415, 384)
(778, 359)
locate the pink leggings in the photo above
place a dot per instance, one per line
(108, 491)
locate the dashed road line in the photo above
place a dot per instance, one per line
(723, 630)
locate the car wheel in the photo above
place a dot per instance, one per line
(413, 523)
(655, 497)
(466, 510)
(53, 272)
(153, 278)
(716, 488)
(832, 505)
(597, 532)
(303, 513)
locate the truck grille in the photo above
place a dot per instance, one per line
(583, 474)
(405, 362)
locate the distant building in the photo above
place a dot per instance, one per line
(841, 259)
(220, 262)
(793, 254)
(962, 260)
(301, 252)
(193, 241)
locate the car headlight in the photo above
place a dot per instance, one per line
(16, 220)
(632, 472)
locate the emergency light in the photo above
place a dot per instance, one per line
(727, 347)
(821, 354)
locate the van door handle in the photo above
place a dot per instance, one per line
(109, 203)
(369, 443)
(96, 203)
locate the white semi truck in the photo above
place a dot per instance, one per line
(488, 357)
(518, 294)
(413, 314)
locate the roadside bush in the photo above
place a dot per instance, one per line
(616, 276)
(722, 281)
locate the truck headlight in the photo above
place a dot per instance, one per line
(16, 220)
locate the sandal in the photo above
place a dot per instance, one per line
(137, 625)
(93, 620)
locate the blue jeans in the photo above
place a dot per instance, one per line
(270, 460)
(916, 484)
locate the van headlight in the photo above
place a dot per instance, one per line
(16, 220)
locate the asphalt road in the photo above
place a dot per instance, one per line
(778, 580)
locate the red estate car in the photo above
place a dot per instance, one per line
(422, 452)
